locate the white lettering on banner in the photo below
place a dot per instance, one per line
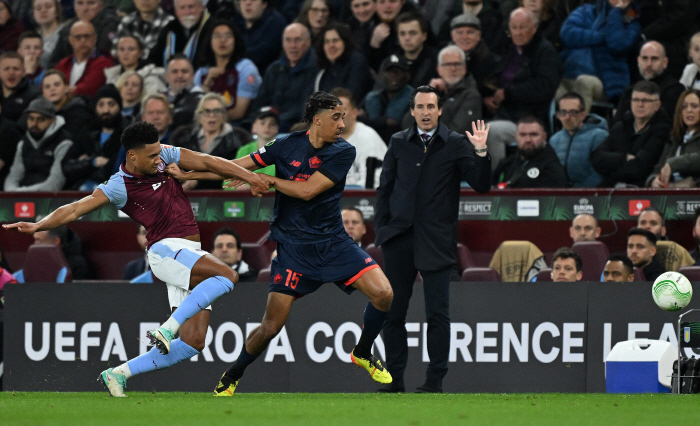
(206, 352)
(228, 327)
(113, 344)
(545, 327)
(280, 345)
(346, 327)
(607, 339)
(519, 345)
(61, 341)
(45, 341)
(483, 342)
(145, 343)
(571, 342)
(319, 357)
(457, 344)
(86, 341)
(668, 334)
(426, 357)
(635, 327)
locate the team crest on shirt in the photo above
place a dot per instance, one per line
(161, 166)
(315, 162)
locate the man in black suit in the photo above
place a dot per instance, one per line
(138, 266)
(415, 223)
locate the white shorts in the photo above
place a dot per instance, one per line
(172, 260)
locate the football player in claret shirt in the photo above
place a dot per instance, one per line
(312, 245)
(195, 279)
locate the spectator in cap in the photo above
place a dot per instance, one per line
(465, 32)
(10, 27)
(385, 108)
(37, 163)
(488, 12)
(265, 129)
(90, 163)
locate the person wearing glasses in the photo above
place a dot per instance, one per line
(210, 134)
(635, 144)
(581, 134)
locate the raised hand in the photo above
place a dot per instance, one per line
(23, 227)
(481, 133)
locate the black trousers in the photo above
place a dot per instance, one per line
(400, 269)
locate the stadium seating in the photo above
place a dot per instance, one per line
(256, 255)
(475, 273)
(691, 272)
(673, 256)
(54, 267)
(464, 257)
(376, 254)
(263, 276)
(545, 274)
(594, 254)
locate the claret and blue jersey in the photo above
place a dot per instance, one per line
(296, 221)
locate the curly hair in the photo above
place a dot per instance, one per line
(138, 135)
(319, 101)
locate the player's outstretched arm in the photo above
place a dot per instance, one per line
(175, 171)
(306, 190)
(197, 161)
(64, 214)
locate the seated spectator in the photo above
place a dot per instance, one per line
(641, 249)
(354, 224)
(384, 39)
(695, 253)
(488, 12)
(289, 80)
(679, 164)
(130, 86)
(596, 41)
(145, 25)
(227, 71)
(264, 129)
(11, 135)
(635, 144)
(157, 111)
(138, 266)
(340, 63)
(75, 110)
(185, 35)
(466, 34)
(584, 227)
(181, 92)
(691, 72)
(72, 249)
(104, 20)
(370, 148)
(618, 269)
(548, 21)
(362, 22)
(261, 28)
(48, 15)
(88, 164)
(37, 163)
(461, 103)
(84, 69)
(653, 221)
(129, 57)
(535, 164)
(653, 67)
(315, 15)
(384, 109)
(581, 134)
(226, 246)
(30, 47)
(211, 135)
(17, 93)
(567, 266)
(412, 29)
(10, 27)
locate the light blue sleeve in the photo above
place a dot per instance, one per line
(199, 74)
(170, 154)
(249, 80)
(115, 190)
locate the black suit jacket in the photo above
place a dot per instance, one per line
(421, 189)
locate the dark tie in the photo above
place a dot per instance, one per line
(425, 137)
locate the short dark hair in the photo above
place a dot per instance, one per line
(567, 253)
(60, 232)
(619, 257)
(11, 54)
(178, 56)
(226, 231)
(355, 209)
(646, 86)
(655, 210)
(139, 134)
(54, 71)
(573, 95)
(319, 101)
(644, 233)
(531, 119)
(29, 34)
(424, 89)
(411, 16)
(342, 92)
(139, 42)
(345, 34)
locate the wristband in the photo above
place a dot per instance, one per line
(481, 150)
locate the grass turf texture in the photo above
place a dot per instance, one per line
(44, 408)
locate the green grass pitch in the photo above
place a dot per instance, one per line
(47, 408)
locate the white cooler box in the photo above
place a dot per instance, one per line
(640, 366)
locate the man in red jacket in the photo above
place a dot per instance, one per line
(84, 69)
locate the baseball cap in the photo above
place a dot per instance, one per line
(394, 61)
(42, 106)
(267, 111)
(465, 20)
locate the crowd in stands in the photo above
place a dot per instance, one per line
(579, 93)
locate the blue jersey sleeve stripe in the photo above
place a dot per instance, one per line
(170, 154)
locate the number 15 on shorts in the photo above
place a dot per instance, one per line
(292, 279)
